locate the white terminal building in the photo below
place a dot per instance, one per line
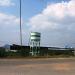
(35, 38)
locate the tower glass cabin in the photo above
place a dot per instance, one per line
(35, 43)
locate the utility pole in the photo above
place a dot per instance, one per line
(20, 26)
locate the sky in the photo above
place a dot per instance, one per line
(54, 19)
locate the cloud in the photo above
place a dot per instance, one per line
(56, 22)
(6, 3)
(9, 29)
(8, 20)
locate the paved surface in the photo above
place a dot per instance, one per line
(37, 66)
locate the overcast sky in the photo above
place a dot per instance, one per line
(54, 19)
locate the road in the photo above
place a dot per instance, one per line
(49, 66)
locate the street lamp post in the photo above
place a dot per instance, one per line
(20, 26)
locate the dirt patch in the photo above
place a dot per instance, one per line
(62, 66)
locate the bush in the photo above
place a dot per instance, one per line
(2, 52)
